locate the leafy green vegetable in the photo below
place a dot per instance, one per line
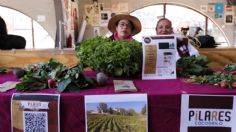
(187, 66)
(230, 67)
(32, 83)
(74, 80)
(225, 80)
(38, 76)
(3, 69)
(118, 58)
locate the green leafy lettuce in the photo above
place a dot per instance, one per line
(116, 58)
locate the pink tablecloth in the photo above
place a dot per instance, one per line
(164, 99)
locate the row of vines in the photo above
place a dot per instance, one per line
(115, 123)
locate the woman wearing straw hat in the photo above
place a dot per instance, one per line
(124, 26)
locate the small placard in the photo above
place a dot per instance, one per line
(208, 113)
(35, 112)
(159, 57)
(124, 85)
(7, 86)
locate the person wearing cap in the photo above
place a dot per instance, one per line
(196, 33)
(123, 27)
(164, 27)
(184, 31)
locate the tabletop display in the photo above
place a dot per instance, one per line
(193, 76)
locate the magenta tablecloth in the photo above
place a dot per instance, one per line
(164, 99)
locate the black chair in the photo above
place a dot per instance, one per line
(207, 41)
(9, 41)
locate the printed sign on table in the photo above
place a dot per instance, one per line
(116, 113)
(35, 112)
(208, 113)
(159, 57)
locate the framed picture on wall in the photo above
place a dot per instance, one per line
(228, 8)
(104, 18)
(211, 7)
(229, 19)
(230, 2)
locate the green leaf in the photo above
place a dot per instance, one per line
(32, 83)
(193, 66)
(62, 85)
(3, 69)
(118, 71)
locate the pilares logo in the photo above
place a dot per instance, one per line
(209, 117)
(210, 113)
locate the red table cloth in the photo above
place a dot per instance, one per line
(164, 101)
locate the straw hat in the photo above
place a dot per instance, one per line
(113, 21)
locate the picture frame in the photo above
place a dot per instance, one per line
(229, 19)
(123, 109)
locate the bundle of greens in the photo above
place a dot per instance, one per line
(53, 74)
(3, 69)
(187, 66)
(230, 67)
(224, 80)
(116, 58)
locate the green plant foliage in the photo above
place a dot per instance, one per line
(66, 79)
(118, 58)
(230, 67)
(3, 69)
(187, 66)
(73, 79)
(224, 80)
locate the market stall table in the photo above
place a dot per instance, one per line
(164, 101)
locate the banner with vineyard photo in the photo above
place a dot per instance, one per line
(35, 112)
(116, 113)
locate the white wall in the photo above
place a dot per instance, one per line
(137, 4)
(33, 8)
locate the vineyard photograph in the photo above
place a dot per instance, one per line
(116, 117)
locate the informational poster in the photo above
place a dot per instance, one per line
(121, 7)
(219, 9)
(70, 22)
(208, 113)
(105, 16)
(116, 113)
(231, 2)
(211, 7)
(203, 8)
(229, 18)
(229, 8)
(92, 13)
(159, 57)
(35, 112)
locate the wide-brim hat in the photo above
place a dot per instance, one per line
(114, 20)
